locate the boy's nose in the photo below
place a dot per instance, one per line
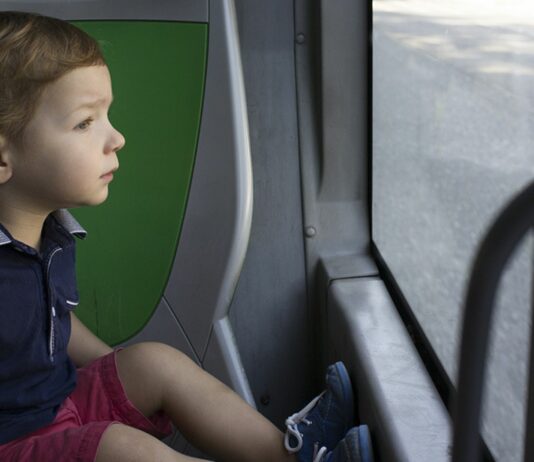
(116, 142)
(121, 141)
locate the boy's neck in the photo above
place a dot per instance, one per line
(23, 225)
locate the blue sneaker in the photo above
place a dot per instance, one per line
(355, 447)
(325, 420)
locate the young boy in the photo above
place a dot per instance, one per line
(64, 394)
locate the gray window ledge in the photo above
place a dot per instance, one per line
(396, 397)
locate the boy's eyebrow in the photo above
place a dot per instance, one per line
(92, 103)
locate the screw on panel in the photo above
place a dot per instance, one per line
(300, 38)
(265, 399)
(310, 231)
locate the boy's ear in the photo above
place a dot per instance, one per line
(6, 170)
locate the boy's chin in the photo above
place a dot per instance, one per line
(95, 202)
(90, 202)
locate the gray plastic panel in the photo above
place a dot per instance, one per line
(217, 221)
(347, 266)
(344, 95)
(269, 312)
(333, 127)
(164, 327)
(407, 418)
(331, 69)
(164, 10)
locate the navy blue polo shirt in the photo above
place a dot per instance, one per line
(37, 293)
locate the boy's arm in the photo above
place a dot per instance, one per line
(84, 346)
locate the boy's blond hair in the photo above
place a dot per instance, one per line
(35, 50)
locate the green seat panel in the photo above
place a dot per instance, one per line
(158, 73)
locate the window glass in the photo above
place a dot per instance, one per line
(453, 141)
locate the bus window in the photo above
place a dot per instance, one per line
(453, 137)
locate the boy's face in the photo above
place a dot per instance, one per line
(69, 146)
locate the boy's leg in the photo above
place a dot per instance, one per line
(121, 443)
(210, 415)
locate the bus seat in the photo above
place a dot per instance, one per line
(164, 253)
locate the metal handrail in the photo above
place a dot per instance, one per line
(509, 228)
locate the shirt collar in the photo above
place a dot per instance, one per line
(4, 239)
(63, 217)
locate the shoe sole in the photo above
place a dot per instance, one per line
(364, 440)
(346, 388)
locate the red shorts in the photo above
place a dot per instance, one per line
(97, 402)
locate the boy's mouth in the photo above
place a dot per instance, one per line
(109, 175)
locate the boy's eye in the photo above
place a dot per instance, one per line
(85, 124)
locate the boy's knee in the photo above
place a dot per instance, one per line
(117, 435)
(156, 353)
(150, 365)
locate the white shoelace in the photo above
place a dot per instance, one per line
(319, 455)
(292, 430)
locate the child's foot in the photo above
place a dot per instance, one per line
(355, 447)
(325, 420)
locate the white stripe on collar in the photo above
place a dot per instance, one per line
(3, 238)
